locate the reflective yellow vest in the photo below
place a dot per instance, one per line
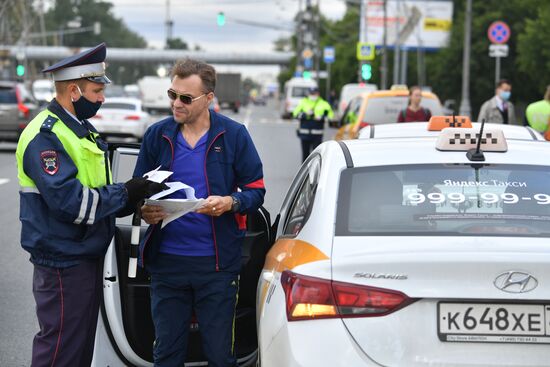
(87, 157)
(537, 114)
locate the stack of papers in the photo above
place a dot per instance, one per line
(175, 208)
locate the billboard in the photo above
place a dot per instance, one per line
(413, 23)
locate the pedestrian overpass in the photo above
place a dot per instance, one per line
(146, 55)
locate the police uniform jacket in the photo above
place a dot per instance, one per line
(67, 207)
(231, 162)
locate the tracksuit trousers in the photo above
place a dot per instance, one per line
(181, 285)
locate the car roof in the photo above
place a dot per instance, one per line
(420, 129)
(396, 93)
(422, 150)
(130, 100)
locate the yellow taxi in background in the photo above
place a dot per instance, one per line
(380, 107)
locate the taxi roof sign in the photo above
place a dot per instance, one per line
(463, 139)
(438, 123)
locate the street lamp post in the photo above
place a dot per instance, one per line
(465, 108)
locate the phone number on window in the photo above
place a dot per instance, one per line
(486, 197)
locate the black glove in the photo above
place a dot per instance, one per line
(140, 188)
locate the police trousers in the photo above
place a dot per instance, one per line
(181, 285)
(67, 307)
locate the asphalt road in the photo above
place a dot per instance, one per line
(277, 145)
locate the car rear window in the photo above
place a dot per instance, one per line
(441, 200)
(119, 106)
(7, 95)
(298, 92)
(385, 110)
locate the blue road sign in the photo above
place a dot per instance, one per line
(328, 55)
(308, 63)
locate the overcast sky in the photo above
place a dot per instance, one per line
(195, 23)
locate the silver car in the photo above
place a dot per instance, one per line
(17, 108)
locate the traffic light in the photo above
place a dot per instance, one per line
(20, 70)
(221, 19)
(366, 71)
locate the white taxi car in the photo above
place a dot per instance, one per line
(412, 251)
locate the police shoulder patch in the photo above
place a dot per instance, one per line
(49, 161)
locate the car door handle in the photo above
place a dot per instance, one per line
(111, 279)
(267, 276)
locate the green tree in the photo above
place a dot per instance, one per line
(444, 68)
(534, 48)
(113, 31)
(527, 66)
(177, 44)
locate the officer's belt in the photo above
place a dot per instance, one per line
(311, 131)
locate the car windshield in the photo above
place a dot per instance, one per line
(440, 199)
(7, 95)
(300, 91)
(385, 110)
(119, 106)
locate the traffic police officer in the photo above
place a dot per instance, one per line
(537, 114)
(68, 206)
(312, 111)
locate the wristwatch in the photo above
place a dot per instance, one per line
(236, 205)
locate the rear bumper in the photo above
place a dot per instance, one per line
(313, 343)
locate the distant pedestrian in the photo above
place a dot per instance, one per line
(414, 112)
(538, 113)
(333, 99)
(499, 109)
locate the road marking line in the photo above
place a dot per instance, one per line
(4, 180)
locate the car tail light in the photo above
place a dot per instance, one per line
(309, 298)
(363, 124)
(97, 116)
(24, 111)
(132, 117)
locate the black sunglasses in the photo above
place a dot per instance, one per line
(184, 98)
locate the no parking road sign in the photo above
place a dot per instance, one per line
(499, 32)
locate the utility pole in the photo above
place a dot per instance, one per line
(169, 23)
(465, 108)
(316, 47)
(396, 48)
(384, 69)
(362, 35)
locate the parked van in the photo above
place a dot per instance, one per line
(43, 90)
(350, 91)
(153, 93)
(295, 89)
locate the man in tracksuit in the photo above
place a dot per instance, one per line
(194, 261)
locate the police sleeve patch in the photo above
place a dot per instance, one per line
(49, 161)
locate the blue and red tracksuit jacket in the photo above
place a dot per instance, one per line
(231, 162)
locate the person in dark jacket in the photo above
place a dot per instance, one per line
(414, 112)
(68, 205)
(194, 261)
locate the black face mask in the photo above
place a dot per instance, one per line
(84, 109)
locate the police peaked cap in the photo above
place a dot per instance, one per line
(88, 64)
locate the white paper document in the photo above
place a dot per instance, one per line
(157, 176)
(175, 208)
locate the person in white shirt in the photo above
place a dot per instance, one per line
(499, 109)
